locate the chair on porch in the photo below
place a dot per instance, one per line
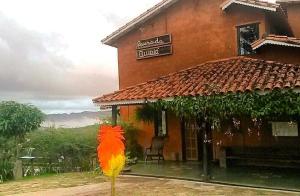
(155, 150)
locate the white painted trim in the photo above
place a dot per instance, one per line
(227, 4)
(123, 102)
(132, 102)
(272, 42)
(139, 20)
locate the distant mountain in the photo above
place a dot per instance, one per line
(73, 120)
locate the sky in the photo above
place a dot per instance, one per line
(51, 53)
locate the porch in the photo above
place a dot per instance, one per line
(270, 178)
(246, 105)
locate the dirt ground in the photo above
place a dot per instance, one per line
(126, 185)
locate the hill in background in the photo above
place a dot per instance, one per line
(74, 120)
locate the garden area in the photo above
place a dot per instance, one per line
(27, 149)
(64, 161)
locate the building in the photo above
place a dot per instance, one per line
(180, 47)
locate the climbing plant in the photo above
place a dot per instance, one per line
(215, 108)
(146, 113)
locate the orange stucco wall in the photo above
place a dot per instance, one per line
(294, 18)
(200, 30)
(173, 146)
(279, 53)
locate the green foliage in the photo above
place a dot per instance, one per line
(133, 149)
(273, 105)
(6, 158)
(6, 170)
(145, 113)
(17, 119)
(71, 148)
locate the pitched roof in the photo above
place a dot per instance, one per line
(150, 13)
(237, 74)
(252, 3)
(277, 40)
(164, 4)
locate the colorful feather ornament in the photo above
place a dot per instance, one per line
(111, 152)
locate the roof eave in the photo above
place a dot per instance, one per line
(112, 38)
(226, 4)
(272, 42)
(130, 102)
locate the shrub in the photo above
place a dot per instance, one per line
(70, 149)
(133, 149)
(6, 159)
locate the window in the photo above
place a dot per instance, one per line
(285, 129)
(247, 34)
(161, 124)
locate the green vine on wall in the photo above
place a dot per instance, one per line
(215, 108)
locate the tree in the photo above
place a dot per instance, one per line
(17, 119)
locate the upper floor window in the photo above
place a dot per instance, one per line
(247, 34)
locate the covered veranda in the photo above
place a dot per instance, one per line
(234, 76)
(250, 176)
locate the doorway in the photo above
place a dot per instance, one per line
(192, 144)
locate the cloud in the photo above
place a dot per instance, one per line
(32, 65)
(54, 59)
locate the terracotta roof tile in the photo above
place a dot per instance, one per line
(238, 74)
(276, 40)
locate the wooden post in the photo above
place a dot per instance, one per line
(114, 114)
(222, 158)
(183, 142)
(205, 152)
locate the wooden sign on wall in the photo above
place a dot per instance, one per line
(153, 47)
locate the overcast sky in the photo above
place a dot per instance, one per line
(50, 50)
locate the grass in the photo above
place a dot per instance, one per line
(50, 181)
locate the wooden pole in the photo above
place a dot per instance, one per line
(205, 153)
(114, 114)
(183, 142)
(113, 186)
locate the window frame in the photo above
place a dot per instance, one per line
(157, 121)
(273, 124)
(238, 27)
